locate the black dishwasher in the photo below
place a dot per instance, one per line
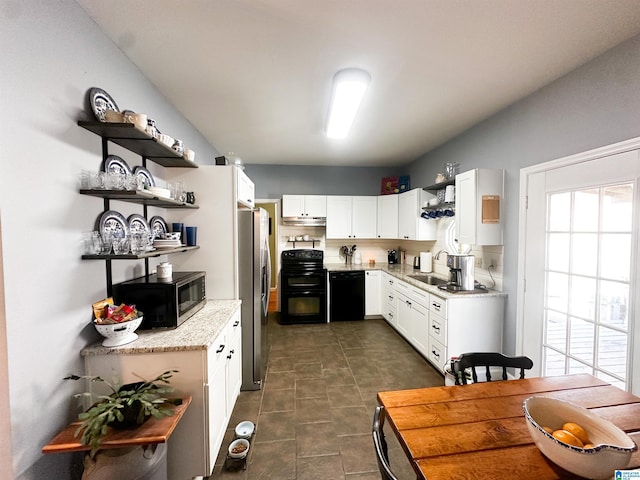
(346, 295)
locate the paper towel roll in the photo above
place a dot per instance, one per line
(425, 262)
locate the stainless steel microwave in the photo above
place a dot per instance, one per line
(165, 302)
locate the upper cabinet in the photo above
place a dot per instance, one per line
(351, 217)
(387, 216)
(411, 226)
(304, 206)
(479, 207)
(245, 189)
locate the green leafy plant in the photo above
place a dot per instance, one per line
(126, 406)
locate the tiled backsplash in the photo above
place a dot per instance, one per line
(377, 250)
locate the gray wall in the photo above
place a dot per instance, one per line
(274, 180)
(52, 53)
(595, 105)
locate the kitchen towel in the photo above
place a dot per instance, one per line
(425, 262)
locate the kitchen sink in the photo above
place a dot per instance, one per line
(429, 279)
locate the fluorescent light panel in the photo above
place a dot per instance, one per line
(349, 86)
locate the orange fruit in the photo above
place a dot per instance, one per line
(577, 431)
(588, 445)
(568, 438)
(549, 430)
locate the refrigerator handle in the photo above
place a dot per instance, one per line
(267, 280)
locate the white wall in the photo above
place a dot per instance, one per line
(51, 54)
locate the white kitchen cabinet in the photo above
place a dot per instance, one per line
(304, 206)
(351, 217)
(387, 224)
(411, 226)
(403, 311)
(206, 374)
(372, 288)
(413, 316)
(479, 207)
(245, 188)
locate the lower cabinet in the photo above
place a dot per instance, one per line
(372, 298)
(439, 327)
(212, 376)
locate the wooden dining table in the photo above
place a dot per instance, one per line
(479, 431)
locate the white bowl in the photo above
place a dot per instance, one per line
(237, 443)
(117, 334)
(245, 429)
(612, 450)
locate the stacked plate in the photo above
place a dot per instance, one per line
(158, 243)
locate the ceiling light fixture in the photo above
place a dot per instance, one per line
(349, 86)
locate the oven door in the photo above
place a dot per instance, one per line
(304, 280)
(303, 306)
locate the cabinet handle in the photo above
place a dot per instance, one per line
(435, 354)
(436, 306)
(437, 329)
(408, 302)
(221, 348)
(390, 314)
(236, 323)
(231, 352)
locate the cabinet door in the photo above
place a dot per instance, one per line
(404, 314)
(293, 205)
(338, 216)
(315, 205)
(364, 212)
(245, 189)
(234, 361)
(466, 207)
(419, 327)
(387, 224)
(216, 414)
(372, 292)
(407, 211)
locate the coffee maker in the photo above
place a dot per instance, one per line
(392, 257)
(462, 272)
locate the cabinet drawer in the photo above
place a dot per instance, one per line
(420, 296)
(402, 287)
(438, 305)
(437, 353)
(438, 328)
(217, 352)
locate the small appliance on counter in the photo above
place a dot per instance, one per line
(462, 272)
(166, 302)
(392, 257)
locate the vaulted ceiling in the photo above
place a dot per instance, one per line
(254, 76)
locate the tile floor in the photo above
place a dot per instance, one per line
(313, 416)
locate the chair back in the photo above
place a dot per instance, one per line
(380, 445)
(487, 360)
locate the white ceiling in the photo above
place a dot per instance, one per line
(254, 76)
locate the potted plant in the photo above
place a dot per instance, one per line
(126, 406)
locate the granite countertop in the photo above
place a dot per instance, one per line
(196, 333)
(402, 272)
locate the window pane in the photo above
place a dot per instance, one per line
(616, 382)
(616, 208)
(581, 342)
(584, 254)
(556, 330)
(559, 252)
(612, 347)
(578, 367)
(614, 301)
(560, 212)
(615, 256)
(583, 297)
(554, 363)
(557, 291)
(585, 210)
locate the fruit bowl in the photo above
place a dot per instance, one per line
(117, 334)
(612, 448)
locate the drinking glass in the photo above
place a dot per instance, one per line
(139, 243)
(121, 245)
(103, 243)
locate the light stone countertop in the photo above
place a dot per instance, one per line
(196, 333)
(402, 272)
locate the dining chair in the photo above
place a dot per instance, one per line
(380, 445)
(487, 360)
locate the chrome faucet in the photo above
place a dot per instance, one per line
(437, 257)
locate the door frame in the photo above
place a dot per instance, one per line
(525, 173)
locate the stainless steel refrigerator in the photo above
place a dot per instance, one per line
(254, 274)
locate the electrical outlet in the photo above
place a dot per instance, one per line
(493, 263)
(477, 262)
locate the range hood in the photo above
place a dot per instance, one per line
(305, 221)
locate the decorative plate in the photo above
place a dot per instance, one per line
(112, 222)
(114, 163)
(158, 227)
(138, 224)
(100, 102)
(147, 178)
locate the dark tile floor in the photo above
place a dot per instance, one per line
(313, 416)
